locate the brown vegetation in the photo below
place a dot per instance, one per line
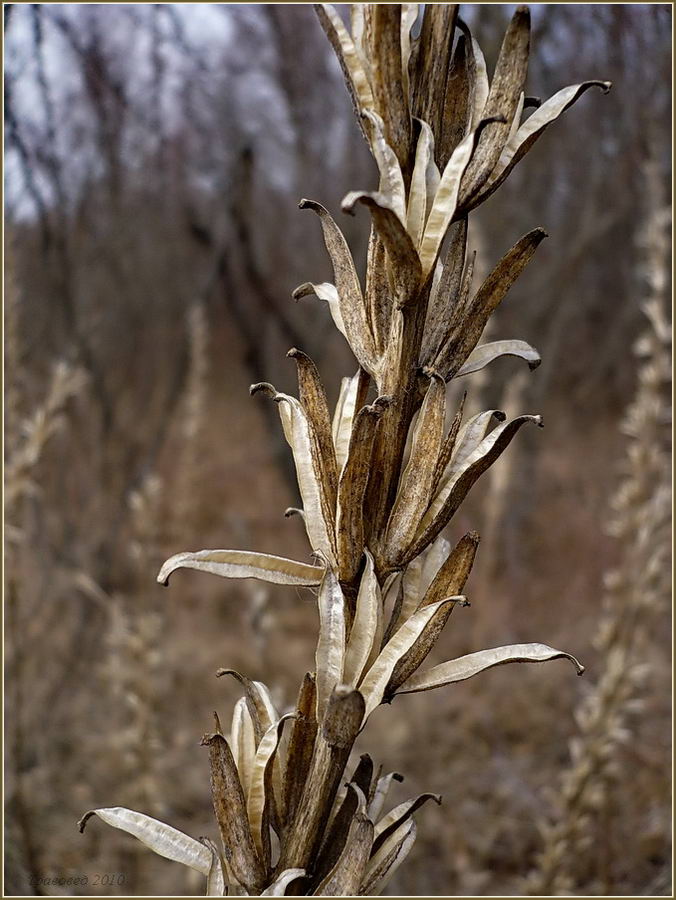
(154, 160)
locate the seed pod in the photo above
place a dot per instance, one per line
(450, 580)
(346, 875)
(352, 306)
(508, 83)
(230, 811)
(352, 487)
(342, 721)
(301, 744)
(457, 489)
(312, 396)
(415, 488)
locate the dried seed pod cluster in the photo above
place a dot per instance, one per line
(381, 478)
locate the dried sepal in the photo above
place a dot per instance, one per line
(282, 881)
(216, 879)
(409, 15)
(391, 183)
(385, 862)
(158, 836)
(243, 742)
(352, 487)
(387, 73)
(348, 871)
(377, 678)
(432, 560)
(393, 599)
(456, 121)
(446, 294)
(350, 298)
(231, 815)
(351, 62)
(313, 399)
(366, 629)
(465, 337)
(466, 666)
(407, 599)
(402, 256)
(415, 487)
(430, 63)
(382, 789)
(445, 203)
(516, 121)
(448, 446)
(470, 435)
(449, 581)
(416, 655)
(391, 823)
(243, 564)
(453, 490)
(261, 804)
(508, 82)
(329, 294)
(484, 354)
(527, 134)
(258, 702)
(351, 389)
(319, 510)
(357, 28)
(301, 745)
(478, 75)
(417, 577)
(444, 206)
(416, 208)
(330, 654)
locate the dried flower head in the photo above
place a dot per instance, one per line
(381, 477)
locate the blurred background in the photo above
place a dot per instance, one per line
(154, 159)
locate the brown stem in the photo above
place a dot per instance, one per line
(335, 739)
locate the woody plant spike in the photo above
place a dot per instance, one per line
(382, 477)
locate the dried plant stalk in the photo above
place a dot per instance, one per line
(380, 481)
(637, 591)
(193, 417)
(38, 429)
